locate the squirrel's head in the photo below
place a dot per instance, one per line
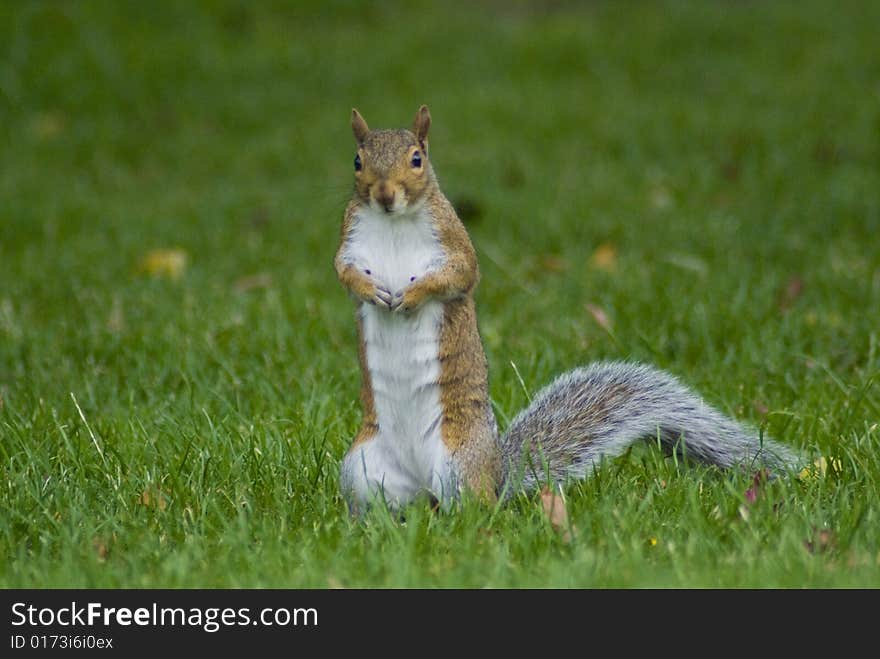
(391, 169)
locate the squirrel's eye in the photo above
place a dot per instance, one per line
(357, 163)
(416, 159)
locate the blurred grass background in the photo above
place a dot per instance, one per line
(694, 184)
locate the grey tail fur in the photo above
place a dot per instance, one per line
(599, 411)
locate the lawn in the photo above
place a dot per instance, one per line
(691, 184)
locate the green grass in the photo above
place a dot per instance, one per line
(728, 151)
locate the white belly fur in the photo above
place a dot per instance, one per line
(407, 456)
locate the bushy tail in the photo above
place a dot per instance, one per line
(601, 410)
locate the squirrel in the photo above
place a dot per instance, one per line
(428, 426)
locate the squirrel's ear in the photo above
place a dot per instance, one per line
(359, 126)
(421, 125)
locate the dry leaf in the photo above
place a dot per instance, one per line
(100, 548)
(730, 169)
(251, 282)
(484, 533)
(169, 263)
(599, 316)
(554, 508)
(758, 479)
(821, 541)
(604, 257)
(153, 497)
(554, 263)
(789, 295)
(116, 317)
(760, 407)
(688, 262)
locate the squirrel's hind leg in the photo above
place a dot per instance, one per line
(370, 474)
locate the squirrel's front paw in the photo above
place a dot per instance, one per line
(407, 299)
(381, 297)
(396, 301)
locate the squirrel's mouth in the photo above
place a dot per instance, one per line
(390, 205)
(388, 209)
(388, 197)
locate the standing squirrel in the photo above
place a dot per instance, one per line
(428, 425)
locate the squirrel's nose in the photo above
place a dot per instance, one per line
(385, 196)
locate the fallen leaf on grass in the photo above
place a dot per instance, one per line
(554, 508)
(789, 295)
(153, 497)
(100, 548)
(604, 257)
(760, 407)
(484, 535)
(688, 262)
(730, 170)
(168, 263)
(553, 263)
(251, 282)
(821, 541)
(758, 479)
(116, 318)
(599, 316)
